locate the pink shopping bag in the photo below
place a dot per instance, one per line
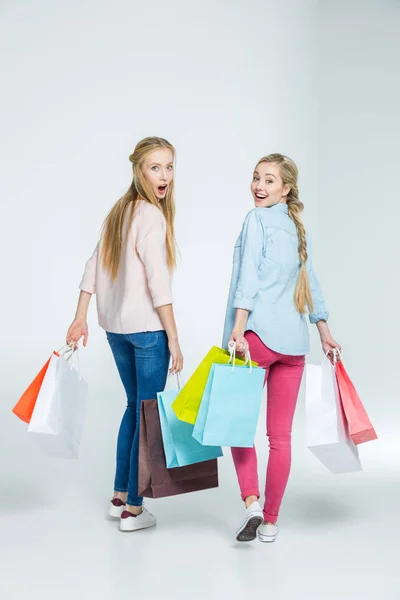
(360, 427)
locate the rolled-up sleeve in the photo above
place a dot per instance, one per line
(320, 312)
(88, 283)
(152, 249)
(250, 260)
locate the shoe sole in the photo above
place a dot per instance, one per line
(248, 532)
(147, 526)
(267, 539)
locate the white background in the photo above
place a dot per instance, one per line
(358, 210)
(225, 82)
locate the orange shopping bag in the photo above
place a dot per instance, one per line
(360, 427)
(25, 405)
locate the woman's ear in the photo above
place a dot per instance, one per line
(286, 190)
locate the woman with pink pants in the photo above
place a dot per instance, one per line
(273, 287)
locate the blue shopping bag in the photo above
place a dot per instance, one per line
(230, 406)
(180, 447)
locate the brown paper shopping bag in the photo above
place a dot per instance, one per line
(155, 480)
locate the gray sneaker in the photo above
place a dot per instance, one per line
(252, 519)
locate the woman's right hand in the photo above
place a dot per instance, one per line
(176, 355)
(242, 345)
(77, 330)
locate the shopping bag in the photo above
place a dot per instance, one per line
(25, 405)
(230, 406)
(45, 413)
(360, 427)
(186, 405)
(327, 433)
(180, 447)
(155, 480)
(58, 417)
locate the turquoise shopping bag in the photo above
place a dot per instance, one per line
(180, 448)
(230, 406)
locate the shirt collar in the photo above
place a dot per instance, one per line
(279, 207)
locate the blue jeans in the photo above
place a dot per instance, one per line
(142, 361)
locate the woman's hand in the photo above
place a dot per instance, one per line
(176, 355)
(79, 326)
(242, 345)
(77, 330)
(328, 346)
(328, 343)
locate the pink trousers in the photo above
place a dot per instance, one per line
(283, 377)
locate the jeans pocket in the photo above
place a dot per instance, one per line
(146, 340)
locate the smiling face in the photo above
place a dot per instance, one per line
(158, 169)
(267, 186)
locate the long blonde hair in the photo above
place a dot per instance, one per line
(289, 174)
(140, 189)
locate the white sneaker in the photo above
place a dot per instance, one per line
(252, 519)
(116, 508)
(267, 533)
(130, 522)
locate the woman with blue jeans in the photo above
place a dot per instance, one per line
(130, 273)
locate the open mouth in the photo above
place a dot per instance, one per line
(162, 189)
(261, 196)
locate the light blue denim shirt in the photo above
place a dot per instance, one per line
(266, 266)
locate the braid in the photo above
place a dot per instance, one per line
(295, 207)
(302, 294)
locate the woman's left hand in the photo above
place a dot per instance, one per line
(328, 346)
(176, 356)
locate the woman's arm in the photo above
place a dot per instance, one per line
(327, 341)
(248, 283)
(152, 251)
(320, 314)
(166, 314)
(79, 326)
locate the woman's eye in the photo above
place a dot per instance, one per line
(155, 168)
(255, 178)
(170, 167)
(269, 181)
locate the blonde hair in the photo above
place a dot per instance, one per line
(289, 174)
(140, 189)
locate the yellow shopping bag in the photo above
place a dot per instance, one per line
(187, 403)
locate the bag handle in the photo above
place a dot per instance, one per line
(67, 352)
(232, 358)
(176, 377)
(64, 350)
(336, 354)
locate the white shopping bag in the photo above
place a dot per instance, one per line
(58, 417)
(327, 432)
(45, 414)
